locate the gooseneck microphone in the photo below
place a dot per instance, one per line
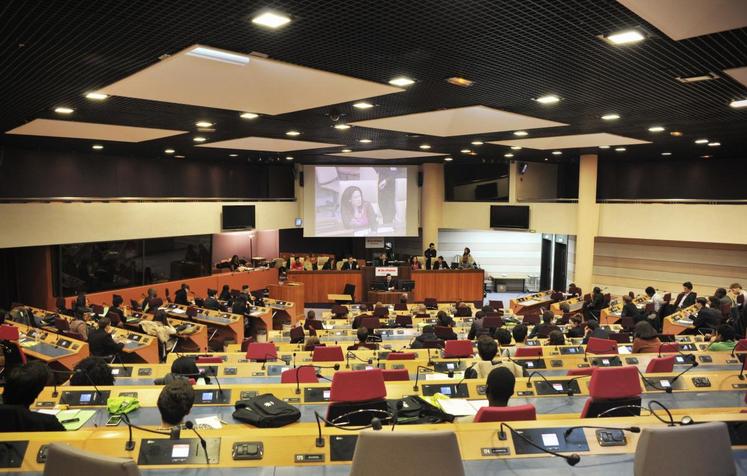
(272, 357)
(298, 373)
(694, 364)
(350, 354)
(568, 390)
(426, 369)
(191, 426)
(571, 459)
(653, 384)
(130, 443)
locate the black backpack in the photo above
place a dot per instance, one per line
(414, 410)
(266, 411)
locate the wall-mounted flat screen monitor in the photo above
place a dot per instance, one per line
(516, 217)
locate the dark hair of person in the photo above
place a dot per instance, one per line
(117, 300)
(650, 291)
(443, 318)
(104, 322)
(688, 285)
(185, 366)
(547, 317)
(727, 332)
(487, 348)
(362, 334)
(311, 315)
(175, 401)
(592, 324)
(503, 336)
(644, 330)
(25, 383)
(161, 317)
(556, 338)
(479, 314)
(519, 332)
(702, 301)
(500, 386)
(212, 292)
(92, 369)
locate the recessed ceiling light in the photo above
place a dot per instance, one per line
(96, 96)
(515, 147)
(288, 157)
(218, 55)
(557, 152)
(476, 142)
(625, 37)
(271, 19)
(97, 147)
(521, 133)
(508, 155)
(655, 129)
(448, 159)
(425, 146)
(401, 81)
(620, 149)
(465, 151)
(179, 156)
(249, 115)
(363, 105)
(199, 139)
(604, 147)
(293, 133)
(365, 141)
(233, 155)
(705, 156)
(64, 110)
(459, 81)
(666, 154)
(203, 124)
(611, 117)
(701, 141)
(697, 79)
(347, 150)
(546, 159)
(738, 103)
(549, 99)
(342, 127)
(714, 144)
(169, 151)
(676, 133)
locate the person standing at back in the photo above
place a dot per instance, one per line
(430, 254)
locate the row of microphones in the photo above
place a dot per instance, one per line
(376, 423)
(316, 367)
(55, 393)
(631, 429)
(653, 384)
(130, 443)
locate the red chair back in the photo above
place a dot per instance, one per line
(370, 323)
(458, 349)
(517, 413)
(614, 382)
(491, 322)
(208, 359)
(741, 345)
(9, 333)
(401, 356)
(358, 386)
(669, 347)
(430, 303)
(396, 375)
(601, 346)
(305, 375)
(528, 351)
(580, 372)
(261, 351)
(495, 304)
(660, 365)
(327, 354)
(531, 319)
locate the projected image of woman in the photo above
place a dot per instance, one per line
(356, 212)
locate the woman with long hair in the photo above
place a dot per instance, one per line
(356, 212)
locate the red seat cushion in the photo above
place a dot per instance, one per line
(601, 346)
(305, 375)
(528, 352)
(660, 365)
(741, 345)
(458, 349)
(358, 386)
(517, 413)
(614, 382)
(261, 351)
(401, 356)
(208, 359)
(394, 375)
(327, 354)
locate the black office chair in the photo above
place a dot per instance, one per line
(349, 289)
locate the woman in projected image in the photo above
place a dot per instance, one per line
(356, 213)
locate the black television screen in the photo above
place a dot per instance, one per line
(509, 217)
(238, 217)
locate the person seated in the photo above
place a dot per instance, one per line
(313, 264)
(500, 387)
(22, 387)
(402, 304)
(645, 338)
(116, 313)
(311, 343)
(181, 296)
(707, 318)
(687, 297)
(505, 342)
(295, 264)
(61, 307)
(444, 319)
(725, 339)
(631, 310)
(149, 296)
(722, 297)
(466, 261)
(463, 310)
(476, 328)
(330, 264)
(440, 263)
(92, 371)
(427, 339)
(593, 308)
(519, 332)
(81, 303)
(362, 343)
(182, 369)
(240, 304)
(655, 297)
(382, 260)
(79, 325)
(735, 290)
(235, 263)
(556, 338)
(420, 310)
(390, 283)
(309, 322)
(487, 349)
(160, 328)
(350, 264)
(415, 263)
(100, 342)
(577, 327)
(225, 293)
(175, 402)
(211, 302)
(593, 330)
(565, 309)
(542, 331)
(573, 290)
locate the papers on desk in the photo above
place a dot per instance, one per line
(684, 322)
(74, 419)
(177, 310)
(461, 406)
(441, 376)
(211, 422)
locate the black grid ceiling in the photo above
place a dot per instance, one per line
(52, 51)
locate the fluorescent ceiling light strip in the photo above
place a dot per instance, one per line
(217, 55)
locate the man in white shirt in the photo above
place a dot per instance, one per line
(656, 298)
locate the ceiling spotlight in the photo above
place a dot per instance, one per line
(96, 96)
(288, 157)
(271, 19)
(476, 142)
(64, 110)
(714, 144)
(342, 127)
(365, 141)
(557, 152)
(508, 156)
(676, 133)
(701, 141)
(620, 149)
(363, 105)
(546, 159)
(218, 55)
(625, 37)
(549, 99)
(465, 151)
(293, 133)
(425, 146)
(515, 147)
(666, 154)
(169, 151)
(233, 155)
(521, 133)
(655, 129)
(459, 81)
(203, 124)
(611, 117)
(179, 156)
(448, 159)
(705, 156)
(401, 81)
(347, 150)
(199, 139)
(738, 103)
(97, 147)
(249, 115)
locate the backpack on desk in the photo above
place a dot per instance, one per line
(266, 411)
(413, 410)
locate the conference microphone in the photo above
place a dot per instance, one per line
(130, 443)
(568, 391)
(351, 354)
(464, 375)
(191, 426)
(298, 373)
(692, 366)
(294, 360)
(653, 384)
(572, 459)
(450, 373)
(586, 351)
(272, 357)
(632, 429)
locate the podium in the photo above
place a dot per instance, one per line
(291, 292)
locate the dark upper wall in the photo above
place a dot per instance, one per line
(33, 173)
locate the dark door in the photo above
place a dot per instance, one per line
(560, 266)
(545, 266)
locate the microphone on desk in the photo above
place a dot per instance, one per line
(464, 375)
(450, 373)
(191, 426)
(568, 392)
(272, 357)
(130, 443)
(653, 384)
(632, 429)
(571, 459)
(294, 360)
(586, 351)
(351, 354)
(298, 373)
(693, 364)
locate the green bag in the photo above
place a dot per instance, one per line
(122, 405)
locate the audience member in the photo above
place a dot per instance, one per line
(542, 331)
(645, 338)
(175, 402)
(311, 343)
(577, 327)
(593, 330)
(100, 342)
(182, 369)
(427, 339)
(92, 371)
(725, 339)
(22, 386)
(687, 297)
(181, 296)
(556, 338)
(706, 318)
(500, 387)
(362, 343)
(211, 302)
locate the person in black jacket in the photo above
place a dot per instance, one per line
(593, 330)
(22, 386)
(330, 264)
(707, 317)
(543, 330)
(100, 342)
(225, 293)
(476, 328)
(577, 330)
(440, 263)
(350, 264)
(430, 254)
(211, 302)
(427, 339)
(687, 297)
(594, 307)
(631, 310)
(181, 296)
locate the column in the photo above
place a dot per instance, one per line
(587, 221)
(513, 181)
(431, 202)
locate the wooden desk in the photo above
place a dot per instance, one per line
(293, 292)
(680, 321)
(195, 333)
(59, 352)
(318, 285)
(531, 302)
(386, 297)
(575, 304)
(448, 285)
(225, 325)
(611, 314)
(340, 297)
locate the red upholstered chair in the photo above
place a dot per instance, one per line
(403, 321)
(297, 335)
(357, 390)
(9, 333)
(327, 354)
(208, 359)
(430, 303)
(528, 351)
(669, 347)
(400, 306)
(601, 346)
(517, 413)
(580, 372)
(491, 322)
(741, 347)
(305, 375)
(458, 349)
(261, 351)
(396, 375)
(612, 387)
(401, 356)
(495, 304)
(370, 323)
(660, 365)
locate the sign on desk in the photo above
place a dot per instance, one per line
(384, 270)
